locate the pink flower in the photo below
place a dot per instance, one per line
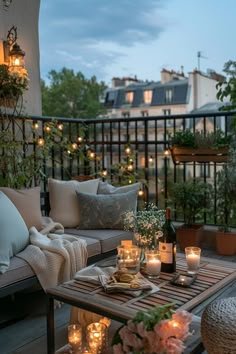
(130, 339)
(173, 346)
(117, 349)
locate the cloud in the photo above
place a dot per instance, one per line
(78, 31)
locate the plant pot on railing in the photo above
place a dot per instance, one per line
(185, 154)
(189, 235)
(226, 243)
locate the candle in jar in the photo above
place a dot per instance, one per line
(96, 336)
(75, 336)
(154, 266)
(193, 259)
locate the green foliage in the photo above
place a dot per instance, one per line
(226, 191)
(13, 82)
(149, 318)
(183, 138)
(23, 161)
(227, 89)
(72, 95)
(199, 139)
(192, 198)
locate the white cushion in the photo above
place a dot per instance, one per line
(64, 201)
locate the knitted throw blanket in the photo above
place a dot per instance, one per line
(55, 258)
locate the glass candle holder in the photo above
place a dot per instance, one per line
(75, 337)
(96, 337)
(129, 258)
(153, 263)
(193, 255)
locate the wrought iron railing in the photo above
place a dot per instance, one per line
(104, 141)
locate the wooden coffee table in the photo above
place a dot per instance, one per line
(213, 278)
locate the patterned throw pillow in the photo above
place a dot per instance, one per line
(105, 211)
(107, 188)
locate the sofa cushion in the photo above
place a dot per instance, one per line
(109, 239)
(18, 270)
(105, 211)
(27, 201)
(14, 235)
(64, 201)
(107, 188)
(93, 245)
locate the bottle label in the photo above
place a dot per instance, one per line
(166, 251)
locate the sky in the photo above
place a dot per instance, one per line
(128, 38)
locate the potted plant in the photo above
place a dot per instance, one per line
(199, 146)
(191, 198)
(226, 205)
(226, 178)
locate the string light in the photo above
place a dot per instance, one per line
(150, 159)
(140, 192)
(130, 167)
(41, 141)
(35, 126)
(127, 150)
(74, 146)
(104, 172)
(47, 129)
(91, 154)
(60, 126)
(80, 139)
(167, 152)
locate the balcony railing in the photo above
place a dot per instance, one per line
(107, 140)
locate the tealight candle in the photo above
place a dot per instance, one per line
(153, 263)
(75, 337)
(193, 259)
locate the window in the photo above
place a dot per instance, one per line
(129, 97)
(166, 112)
(205, 170)
(126, 114)
(147, 96)
(169, 95)
(144, 113)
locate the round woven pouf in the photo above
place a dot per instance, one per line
(218, 327)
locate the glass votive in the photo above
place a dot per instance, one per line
(193, 255)
(75, 337)
(153, 263)
(129, 258)
(96, 337)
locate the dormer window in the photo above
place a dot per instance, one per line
(169, 95)
(147, 96)
(129, 97)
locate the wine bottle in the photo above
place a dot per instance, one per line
(167, 245)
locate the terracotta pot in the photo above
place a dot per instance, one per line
(189, 236)
(226, 243)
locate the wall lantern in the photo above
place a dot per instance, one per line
(13, 54)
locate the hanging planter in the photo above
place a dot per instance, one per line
(8, 102)
(182, 154)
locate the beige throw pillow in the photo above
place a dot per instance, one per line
(27, 201)
(64, 201)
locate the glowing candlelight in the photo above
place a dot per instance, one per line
(153, 263)
(75, 337)
(193, 259)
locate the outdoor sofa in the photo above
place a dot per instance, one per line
(90, 210)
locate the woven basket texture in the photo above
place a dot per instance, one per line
(218, 327)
